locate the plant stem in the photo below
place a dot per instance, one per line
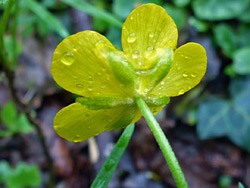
(103, 177)
(163, 143)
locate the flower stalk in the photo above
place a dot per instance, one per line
(163, 143)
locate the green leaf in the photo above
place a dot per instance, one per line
(24, 176)
(179, 15)
(114, 36)
(226, 38)
(95, 12)
(240, 185)
(199, 25)
(103, 177)
(47, 17)
(4, 171)
(219, 117)
(241, 61)
(8, 42)
(244, 36)
(16, 123)
(181, 3)
(122, 8)
(215, 10)
(245, 17)
(225, 181)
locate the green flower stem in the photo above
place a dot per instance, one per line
(163, 143)
(103, 177)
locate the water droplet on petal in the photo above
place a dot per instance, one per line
(151, 34)
(135, 54)
(179, 67)
(131, 17)
(182, 91)
(185, 74)
(131, 38)
(79, 86)
(90, 79)
(76, 138)
(103, 86)
(67, 58)
(149, 51)
(90, 88)
(194, 74)
(98, 93)
(75, 48)
(99, 73)
(163, 82)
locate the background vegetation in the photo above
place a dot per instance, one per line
(208, 127)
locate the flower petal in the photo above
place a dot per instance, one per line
(147, 28)
(77, 67)
(187, 69)
(77, 123)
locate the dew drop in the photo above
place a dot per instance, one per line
(131, 38)
(90, 88)
(163, 82)
(90, 79)
(194, 74)
(182, 91)
(79, 86)
(97, 133)
(75, 48)
(131, 18)
(98, 93)
(108, 78)
(185, 74)
(99, 73)
(179, 67)
(135, 54)
(186, 57)
(151, 34)
(76, 138)
(149, 51)
(67, 58)
(103, 86)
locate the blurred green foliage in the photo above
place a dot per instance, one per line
(225, 22)
(15, 123)
(23, 175)
(227, 117)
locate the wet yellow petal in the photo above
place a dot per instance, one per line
(77, 123)
(187, 69)
(147, 28)
(77, 67)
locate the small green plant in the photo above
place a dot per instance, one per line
(23, 175)
(15, 123)
(117, 87)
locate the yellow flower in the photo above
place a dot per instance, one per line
(109, 80)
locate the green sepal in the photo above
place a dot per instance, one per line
(121, 68)
(125, 120)
(118, 62)
(163, 60)
(98, 103)
(156, 101)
